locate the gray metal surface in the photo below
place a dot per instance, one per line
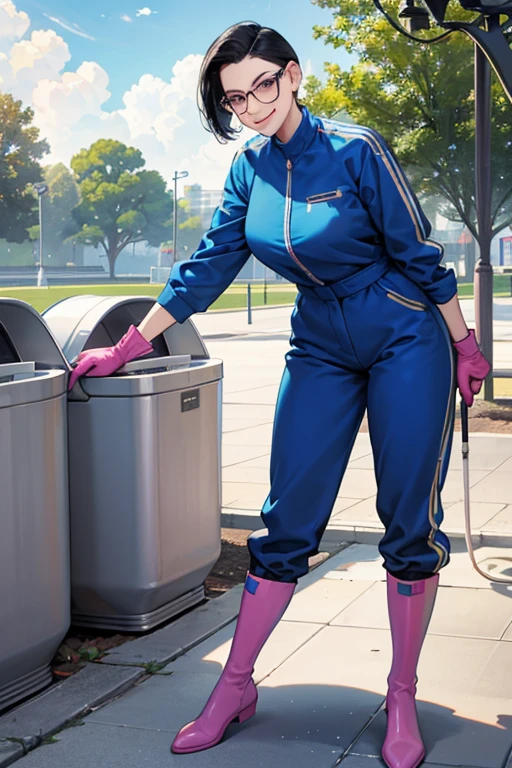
(34, 517)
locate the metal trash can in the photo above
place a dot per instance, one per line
(34, 515)
(145, 470)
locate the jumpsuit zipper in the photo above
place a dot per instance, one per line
(287, 220)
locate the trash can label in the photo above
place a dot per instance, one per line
(190, 400)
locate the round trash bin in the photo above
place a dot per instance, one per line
(34, 515)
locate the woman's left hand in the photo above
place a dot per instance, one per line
(472, 367)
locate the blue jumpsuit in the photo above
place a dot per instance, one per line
(332, 211)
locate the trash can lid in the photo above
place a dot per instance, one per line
(22, 383)
(88, 321)
(154, 377)
(25, 337)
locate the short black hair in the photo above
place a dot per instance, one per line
(247, 38)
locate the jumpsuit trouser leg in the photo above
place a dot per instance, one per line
(355, 346)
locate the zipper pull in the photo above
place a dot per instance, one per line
(308, 209)
(289, 164)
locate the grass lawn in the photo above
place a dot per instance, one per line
(234, 298)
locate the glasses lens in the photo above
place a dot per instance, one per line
(267, 90)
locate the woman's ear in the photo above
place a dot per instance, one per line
(295, 76)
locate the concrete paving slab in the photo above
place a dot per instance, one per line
(53, 708)
(496, 487)
(458, 612)
(363, 512)
(359, 562)
(9, 753)
(323, 600)
(333, 684)
(262, 461)
(160, 703)
(233, 455)
(141, 748)
(263, 413)
(502, 521)
(260, 435)
(257, 396)
(464, 719)
(343, 502)
(453, 489)
(180, 634)
(244, 495)
(232, 425)
(481, 514)
(358, 484)
(460, 572)
(210, 656)
(450, 739)
(241, 473)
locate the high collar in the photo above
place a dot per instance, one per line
(301, 139)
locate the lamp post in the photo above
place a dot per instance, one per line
(491, 47)
(42, 282)
(180, 175)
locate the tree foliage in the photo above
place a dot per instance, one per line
(20, 152)
(57, 204)
(119, 202)
(421, 99)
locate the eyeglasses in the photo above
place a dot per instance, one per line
(266, 92)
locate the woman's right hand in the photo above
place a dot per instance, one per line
(106, 360)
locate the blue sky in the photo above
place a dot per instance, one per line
(121, 70)
(152, 43)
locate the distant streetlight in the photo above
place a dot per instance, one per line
(42, 282)
(180, 175)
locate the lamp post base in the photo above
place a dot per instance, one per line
(483, 292)
(42, 282)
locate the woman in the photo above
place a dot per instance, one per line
(327, 206)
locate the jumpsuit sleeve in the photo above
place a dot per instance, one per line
(395, 210)
(195, 284)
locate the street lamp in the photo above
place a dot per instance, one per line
(42, 282)
(491, 49)
(180, 175)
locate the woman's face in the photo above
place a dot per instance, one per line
(253, 74)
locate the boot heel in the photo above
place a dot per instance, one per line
(246, 713)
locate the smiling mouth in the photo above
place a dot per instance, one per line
(265, 118)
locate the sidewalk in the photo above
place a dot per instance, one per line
(321, 680)
(322, 675)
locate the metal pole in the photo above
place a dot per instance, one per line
(483, 277)
(42, 282)
(249, 307)
(175, 218)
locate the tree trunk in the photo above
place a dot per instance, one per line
(112, 256)
(470, 259)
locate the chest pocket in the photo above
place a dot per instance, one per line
(331, 196)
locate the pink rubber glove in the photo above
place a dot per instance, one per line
(472, 367)
(106, 360)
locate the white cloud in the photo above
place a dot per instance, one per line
(158, 117)
(145, 12)
(125, 17)
(13, 24)
(76, 31)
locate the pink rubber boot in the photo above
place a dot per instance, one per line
(235, 695)
(410, 605)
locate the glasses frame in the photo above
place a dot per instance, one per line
(224, 102)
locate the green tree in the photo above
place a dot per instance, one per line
(58, 223)
(421, 99)
(119, 203)
(20, 151)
